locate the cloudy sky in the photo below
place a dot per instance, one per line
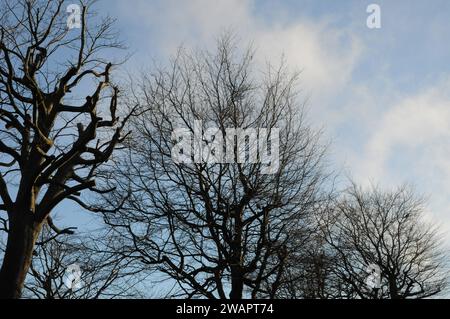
(381, 95)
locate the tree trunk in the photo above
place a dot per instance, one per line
(22, 236)
(237, 280)
(237, 283)
(393, 291)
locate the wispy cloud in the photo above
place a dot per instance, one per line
(411, 143)
(382, 95)
(326, 55)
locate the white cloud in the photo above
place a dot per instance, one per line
(381, 136)
(416, 124)
(411, 143)
(326, 55)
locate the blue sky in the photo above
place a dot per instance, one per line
(382, 96)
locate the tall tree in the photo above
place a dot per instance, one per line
(384, 248)
(217, 227)
(50, 144)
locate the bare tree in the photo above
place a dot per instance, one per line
(384, 247)
(72, 267)
(217, 228)
(309, 272)
(51, 144)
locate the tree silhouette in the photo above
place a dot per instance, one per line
(385, 231)
(51, 145)
(219, 229)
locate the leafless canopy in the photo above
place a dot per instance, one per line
(51, 143)
(218, 230)
(222, 222)
(101, 274)
(385, 229)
